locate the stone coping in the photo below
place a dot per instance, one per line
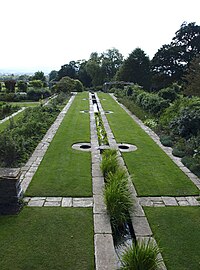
(58, 201)
(169, 201)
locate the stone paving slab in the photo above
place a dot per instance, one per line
(66, 202)
(169, 201)
(99, 205)
(82, 202)
(141, 226)
(102, 224)
(105, 256)
(98, 185)
(59, 201)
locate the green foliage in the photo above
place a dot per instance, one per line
(67, 85)
(10, 85)
(7, 109)
(37, 94)
(142, 255)
(36, 83)
(193, 163)
(151, 103)
(188, 123)
(101, 132)
(22, 86)
(172, 61)
(19, 140)
(136, 68)
(109, 163)
(192, 86)
(117, 198)
(168, 94)
(166, 140)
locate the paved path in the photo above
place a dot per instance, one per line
(59, 201)
(169, 201)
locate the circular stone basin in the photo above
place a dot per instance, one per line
(126, 147)
(84, 111)
(107, 112)
(82, 146)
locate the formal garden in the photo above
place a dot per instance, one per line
(100, 162)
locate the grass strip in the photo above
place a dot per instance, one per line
(154, 173)
(47, 238)
(63, 170)
(176, 230)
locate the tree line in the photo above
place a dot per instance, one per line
(177, 62)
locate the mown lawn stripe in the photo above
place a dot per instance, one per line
(63, 170)
(154, 173)
(47, 238)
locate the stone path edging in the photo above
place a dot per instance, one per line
(169, 201)
(32, 165)
(167, 150)
(59, 201)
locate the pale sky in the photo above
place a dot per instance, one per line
(45, 34)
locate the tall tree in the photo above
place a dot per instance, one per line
(68, 70)
(136, 69)
(192, 78)
(111, 60)
(171, 62)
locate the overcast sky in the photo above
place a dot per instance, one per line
(45, 34)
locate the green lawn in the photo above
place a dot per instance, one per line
(176, 230)
(63, 170)
(47, 238)
(154, 173)
(25, 103)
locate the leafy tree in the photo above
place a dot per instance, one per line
(10, 85)
(93, 68)
(67, 85)
(83, 75)
(171, 62)
(39, 75)
(111, 60)
(136, 69)
(68, 70)
(192, 78)
(22, 86)
(36, 83)
(52, 75)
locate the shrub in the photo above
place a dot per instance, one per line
(192, 163)
(178, 153)
(37, 94)
(36, 83)
(22, 86)
(117, 199)
(109, 163)
(141, 256)
(168, 93)
(18, 141)
(188, 123)
(166, 140)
